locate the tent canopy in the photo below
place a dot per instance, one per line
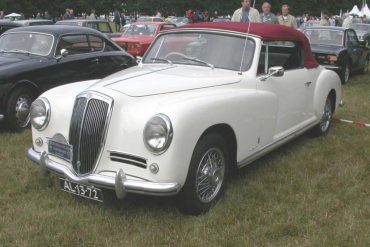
(355, 11)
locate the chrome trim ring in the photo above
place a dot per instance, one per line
(48, 113)
(210, 175)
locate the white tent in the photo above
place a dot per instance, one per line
(15, 15)
(355, 11)
(365, 11)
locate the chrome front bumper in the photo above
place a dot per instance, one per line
(121, 184)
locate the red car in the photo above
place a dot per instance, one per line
(139, 36)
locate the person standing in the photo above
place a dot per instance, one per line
(347, 21)
(123, 21)
(286, 19)
(325, 20)
(92, 16)
(1, 15)
(246, 13)
(117, 20)
(266, 15)
(67, 15)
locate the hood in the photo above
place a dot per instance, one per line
(326, 49)
(150, 80)
(9, 60)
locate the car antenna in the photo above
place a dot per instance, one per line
(246, 42)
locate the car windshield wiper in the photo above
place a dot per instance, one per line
(161, 59)
(199, 61)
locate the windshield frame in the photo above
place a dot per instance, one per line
(328, 30)
(27, 32)
(206, 31)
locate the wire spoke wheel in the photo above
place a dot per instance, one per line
(327, 116)
(210, 175)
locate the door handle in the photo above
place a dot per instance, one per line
(307, 84)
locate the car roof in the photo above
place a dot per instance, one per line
(23, 22)
(82, 20)
(267, 32)
(57, 29)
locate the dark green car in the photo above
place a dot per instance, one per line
(339, 49)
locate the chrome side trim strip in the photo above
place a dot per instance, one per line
(121, 184)
(273, 146)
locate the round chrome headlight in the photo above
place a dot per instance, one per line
(158, 134)
(40, 113)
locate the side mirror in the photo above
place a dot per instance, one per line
(277, 71)
(63, 53)
(138, 59)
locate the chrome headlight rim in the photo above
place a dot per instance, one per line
(47, 114)
(169, 134)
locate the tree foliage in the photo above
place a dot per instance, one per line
(167, 7)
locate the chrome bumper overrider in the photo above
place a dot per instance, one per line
(120, 183)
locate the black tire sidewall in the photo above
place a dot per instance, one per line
(189, 201)
(343, 72)
(10, 117)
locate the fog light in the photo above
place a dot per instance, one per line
(39, 142)
(154, 168)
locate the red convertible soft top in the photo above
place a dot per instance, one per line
(267, 32)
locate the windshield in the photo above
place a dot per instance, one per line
(325, 37)
(30, 43)
(141, 30)
(202, 49)
(365, 28)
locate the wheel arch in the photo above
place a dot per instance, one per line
(24, 83)
(228, 133)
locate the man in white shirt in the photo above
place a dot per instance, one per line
(246, 13)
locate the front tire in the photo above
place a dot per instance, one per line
(323, 127)
(207, 175)
(18, 108)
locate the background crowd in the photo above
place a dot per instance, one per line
(247, 13)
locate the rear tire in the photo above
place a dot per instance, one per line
(323, 127)
(17, 109)
(345, 73)
(207, 175)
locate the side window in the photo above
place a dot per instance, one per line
(92, 25)
(96, 43)
(352, 38)
(110, 47)
(74, 44)
(289, 55)
(167, 26)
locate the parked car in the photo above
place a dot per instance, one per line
(139, 36)
(187, 115)
(363, 32)
(338, 49)
(99, 24)
(178, 21)
(7, 25)
(150, 19)
(36, 59)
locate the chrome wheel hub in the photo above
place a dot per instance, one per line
(326, 118)
(22, 111)
(210, 175)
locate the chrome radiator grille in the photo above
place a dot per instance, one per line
(87, 131)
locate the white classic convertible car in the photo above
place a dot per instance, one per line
(205, 99)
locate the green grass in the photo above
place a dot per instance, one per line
(310, 192)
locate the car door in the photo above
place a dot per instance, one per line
(290, 89)
(355, 50)
(107, 57)
(76, 66)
